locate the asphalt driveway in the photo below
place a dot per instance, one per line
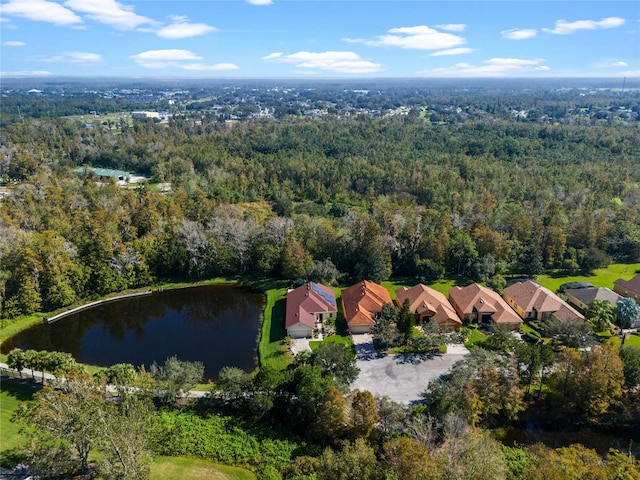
(401, 377)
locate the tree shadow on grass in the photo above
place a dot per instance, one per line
(277, 331)
(21, 389)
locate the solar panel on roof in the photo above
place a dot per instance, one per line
(329, 298)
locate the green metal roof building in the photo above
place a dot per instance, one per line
(105, 172)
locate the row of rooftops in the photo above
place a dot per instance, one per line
(363, 302)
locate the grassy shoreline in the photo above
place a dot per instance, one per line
(9, 328)
(271, 347)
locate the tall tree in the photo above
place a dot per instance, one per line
(363, 414)
(590, 383)
(626, 311)
(356, 461)
(406, 320)
(64, 418)
(336, 361)
(126, 432)
(630, 357)
(409, 459)
(176, 377)
(385, 331)
(17, 360)
(462, 252)
(601, 314)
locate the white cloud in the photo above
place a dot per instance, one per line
(339, 62)
(519, 33)
(420, 37)
(175, 58)
(78, 58)
(452, 27)
(494, 67)
(14, 43)
(181, 28)
(260, 2)
(611, 64)
(110, 13)
(272, 56)
(30, 73)
(41, 11)
(452, 51)
(565, 28)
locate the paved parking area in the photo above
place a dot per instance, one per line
(299, 345)
(401, 377)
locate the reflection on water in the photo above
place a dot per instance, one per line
(215, 325)
(599, 441)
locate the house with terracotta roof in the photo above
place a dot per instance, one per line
(429, 305)
(581, 298)
(475, 303)
(628, 288)
(535, 302)
(362, 303)
(307, 305)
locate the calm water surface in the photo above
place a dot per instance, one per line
(599, 441)
(215, 325)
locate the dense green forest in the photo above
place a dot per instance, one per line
(309, 198)
(438, 191)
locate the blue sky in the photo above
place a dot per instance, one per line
(320, 39)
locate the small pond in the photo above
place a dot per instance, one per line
(216, 325)
(601, 442)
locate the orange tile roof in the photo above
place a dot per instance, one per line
(478, 299)
(362, 301)
(424, 300)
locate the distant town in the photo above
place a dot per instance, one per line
(541, 101)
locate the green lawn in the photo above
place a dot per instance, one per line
(472, 336)
(396, 283)
(602, 277)
(272, 348)
(443, 285)
(184, 468)
(12, 394)
(631, 341)
(344, 340)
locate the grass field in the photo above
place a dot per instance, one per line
(183, 468)
(601, 277)
(272, 348)
(12, 394)
(443, 285)
(631, 341)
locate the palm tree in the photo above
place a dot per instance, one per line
(627, 310)
(601, 314)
